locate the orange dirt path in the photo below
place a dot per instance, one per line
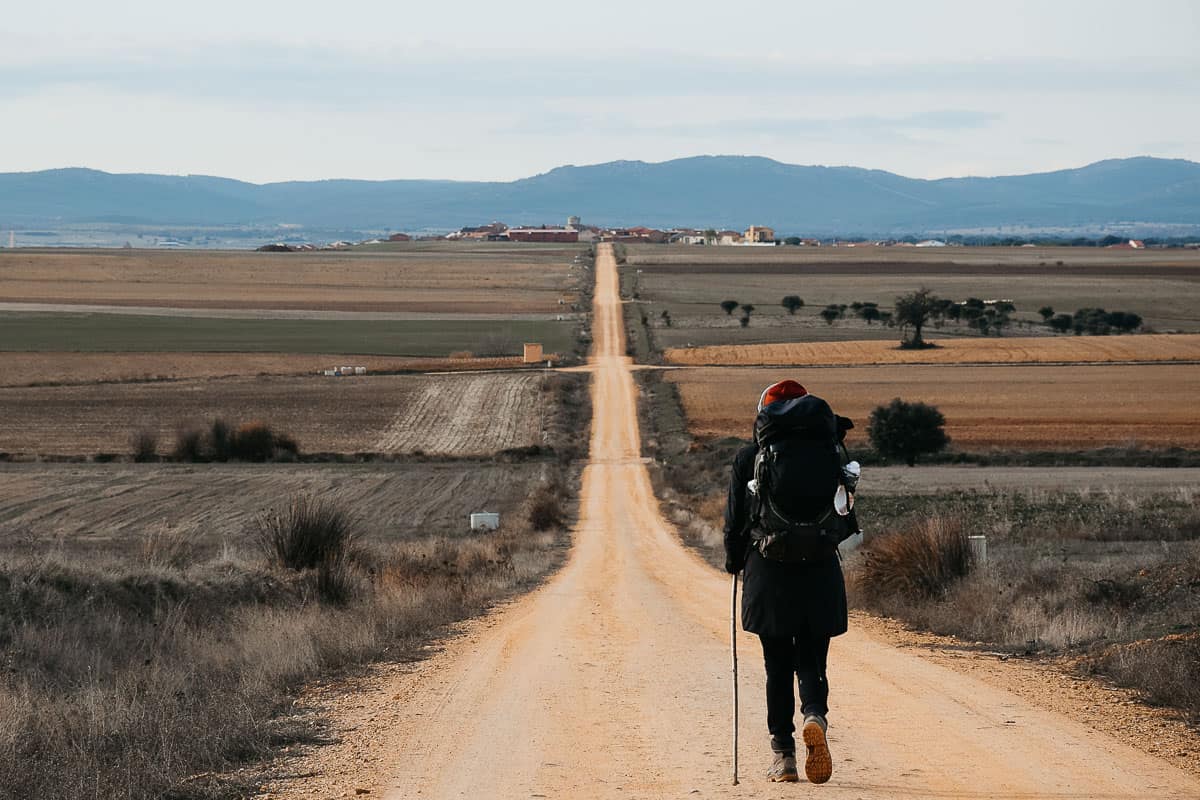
(613, 680)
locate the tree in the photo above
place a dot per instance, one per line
(792, 240)
(1061, 322)
(792, 303)
(870, 312)
(728, 306)
(1047, 312)
(1124, 321)
(830, 313)
(913, 311)
(745, 321)
(747, 309)
(666, 317)
(710, 236)
(907, 430)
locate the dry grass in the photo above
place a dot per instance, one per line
(997, 350)
(151, 680)
(1002, 407)
(919, 563)
(439, 280)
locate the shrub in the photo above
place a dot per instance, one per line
(144, 444)
(219, 434)
(744, 321)
(919, 562)
(1163, 669)
(252, 441)
(907, 430)
(190, 446)
(546, 508)
(1061, 322)
(308, 533)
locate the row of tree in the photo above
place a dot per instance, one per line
(914, 311)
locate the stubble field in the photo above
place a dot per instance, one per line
(1001, 407)
(450, 414)
(991, 350)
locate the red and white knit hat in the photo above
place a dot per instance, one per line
(784, 390)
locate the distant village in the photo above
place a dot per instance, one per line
(575, 231)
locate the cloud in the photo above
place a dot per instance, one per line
(896, 128)
(342, 76)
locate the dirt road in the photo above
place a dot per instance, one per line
(613, 679)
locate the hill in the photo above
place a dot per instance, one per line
(729, 191)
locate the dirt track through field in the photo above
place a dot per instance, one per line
(613, 679)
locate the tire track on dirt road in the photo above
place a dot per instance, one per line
(612, 680)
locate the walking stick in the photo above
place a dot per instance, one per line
(733, 649)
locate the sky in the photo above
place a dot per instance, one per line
(264, 90)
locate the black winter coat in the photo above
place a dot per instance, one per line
(778, 598)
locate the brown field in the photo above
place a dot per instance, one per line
(114, 508)
(1032, 259)
(981, 350)
(451, 414)
(448, 279)
(1004, 407)
(690, 283)
(28, 369)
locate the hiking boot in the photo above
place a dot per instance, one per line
(783, 769)
(818, 766)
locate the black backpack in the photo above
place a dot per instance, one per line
(797, 471)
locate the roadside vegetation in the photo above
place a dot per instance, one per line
(167, 675)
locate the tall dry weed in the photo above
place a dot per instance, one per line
(922, 561)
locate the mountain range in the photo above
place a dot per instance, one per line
(703, 191)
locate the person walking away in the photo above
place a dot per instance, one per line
(782, 529)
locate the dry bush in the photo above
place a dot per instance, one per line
(144, 445)
(1163, 669)
(922, 561)
(219, 436)
(307, 533)
(256, 441)
(547, 506)
(190, 446)
(251, 441)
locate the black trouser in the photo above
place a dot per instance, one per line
(802, 657)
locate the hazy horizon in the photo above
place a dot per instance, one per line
(276, 91)
(383, 179)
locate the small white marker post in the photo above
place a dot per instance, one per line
(978, 546)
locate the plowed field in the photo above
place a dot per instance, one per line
(458, 414)
(1006, 407)
(113, 507)
(342, 415)
(997, 350)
